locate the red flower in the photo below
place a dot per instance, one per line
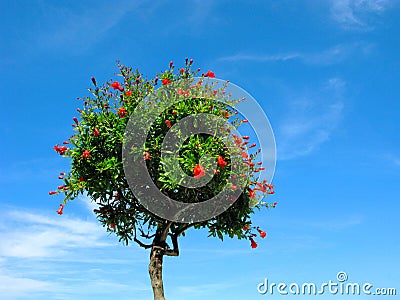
(75, 120)
(245, 121)
(253, 243)
(60, 187)
(80, 179)
(262, 233)
(96, 132)
(60, 209)
(181, 70)
(86, 154)
(209, 74)
(168, 123)
(128, 93)
(147, 156)
(61, 150)
(252, 194)
(65, 142)
(171, 64)
(116, 86)
(122, 112)
(246, 227)
(198, 171)
(221, 162)
(245, 155)
(53, 193)
(274, 204)
(165, 81)
(112, 225)
(245, 137)
(174, 112)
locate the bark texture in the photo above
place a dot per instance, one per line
(155, 272)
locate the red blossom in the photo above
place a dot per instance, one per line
(245, 137)
(147, 156)
(112, 225)
(246, 227)
(122, 112)
(53, 193)
(165, 81)
(60, 209)
(61, 150)
(60, 187)
(174, 112)
(274, 204)
(96, 132)
(221, 162)
(80, 179)
(263, 234)
(252, 194)
(209, 74)
(181, 70)
(245, 121)
(75, 120)
(253, 243)
(128, 93)
(198, 171)
(171, 64)
(86, 154)
(116, 86)
(168, 123)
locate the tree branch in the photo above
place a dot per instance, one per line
(175, 250)
(141, 244)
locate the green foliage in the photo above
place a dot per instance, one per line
(95, 152)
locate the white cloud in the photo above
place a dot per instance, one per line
(77, 28)
(40, 236)
(12, 287)
(309, 120)
(262, 57)
(394, 159)
(59, 257)
(333, 55)
(357, 14)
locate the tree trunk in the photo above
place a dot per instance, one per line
(155, 272)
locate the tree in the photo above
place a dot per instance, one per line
(152, 157)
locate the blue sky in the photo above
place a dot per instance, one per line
(325, 72)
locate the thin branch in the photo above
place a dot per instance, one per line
(146, 235)
(175, 250)
(141, 244)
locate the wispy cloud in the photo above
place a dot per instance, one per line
(394, 159)
(77, 27)
(41, 236)
(309, 120)
(333, 55)
(65, 257)
(262, 58)
(357, 14)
